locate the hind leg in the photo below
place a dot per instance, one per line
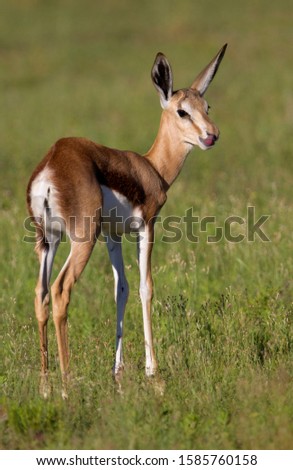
(61, 291)
(46, 257)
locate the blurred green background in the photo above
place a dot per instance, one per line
(222, 312)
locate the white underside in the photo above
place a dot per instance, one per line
(118, 214)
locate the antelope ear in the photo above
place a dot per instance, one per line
(163, 78)
(205, 77)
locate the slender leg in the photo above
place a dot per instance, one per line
(121, 295)
(61, 290)
(145, 244)
(42, 300)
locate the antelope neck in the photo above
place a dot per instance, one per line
(167, 154)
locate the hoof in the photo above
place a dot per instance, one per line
(44, 387)
(159, 386)
(65, 383)
(151, 371)
(157, 383)
(118, 372)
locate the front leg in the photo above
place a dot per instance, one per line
(145, 245)
(121, 296)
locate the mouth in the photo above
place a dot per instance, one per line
(209, 141)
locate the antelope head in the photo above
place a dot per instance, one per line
(186, 110)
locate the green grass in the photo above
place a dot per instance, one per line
(222, 313)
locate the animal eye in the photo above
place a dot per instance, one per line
(182, 113)
(208, 109)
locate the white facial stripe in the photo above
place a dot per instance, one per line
(186, 107)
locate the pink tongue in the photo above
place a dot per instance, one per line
(209, 141)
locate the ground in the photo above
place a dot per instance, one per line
(222, 311)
